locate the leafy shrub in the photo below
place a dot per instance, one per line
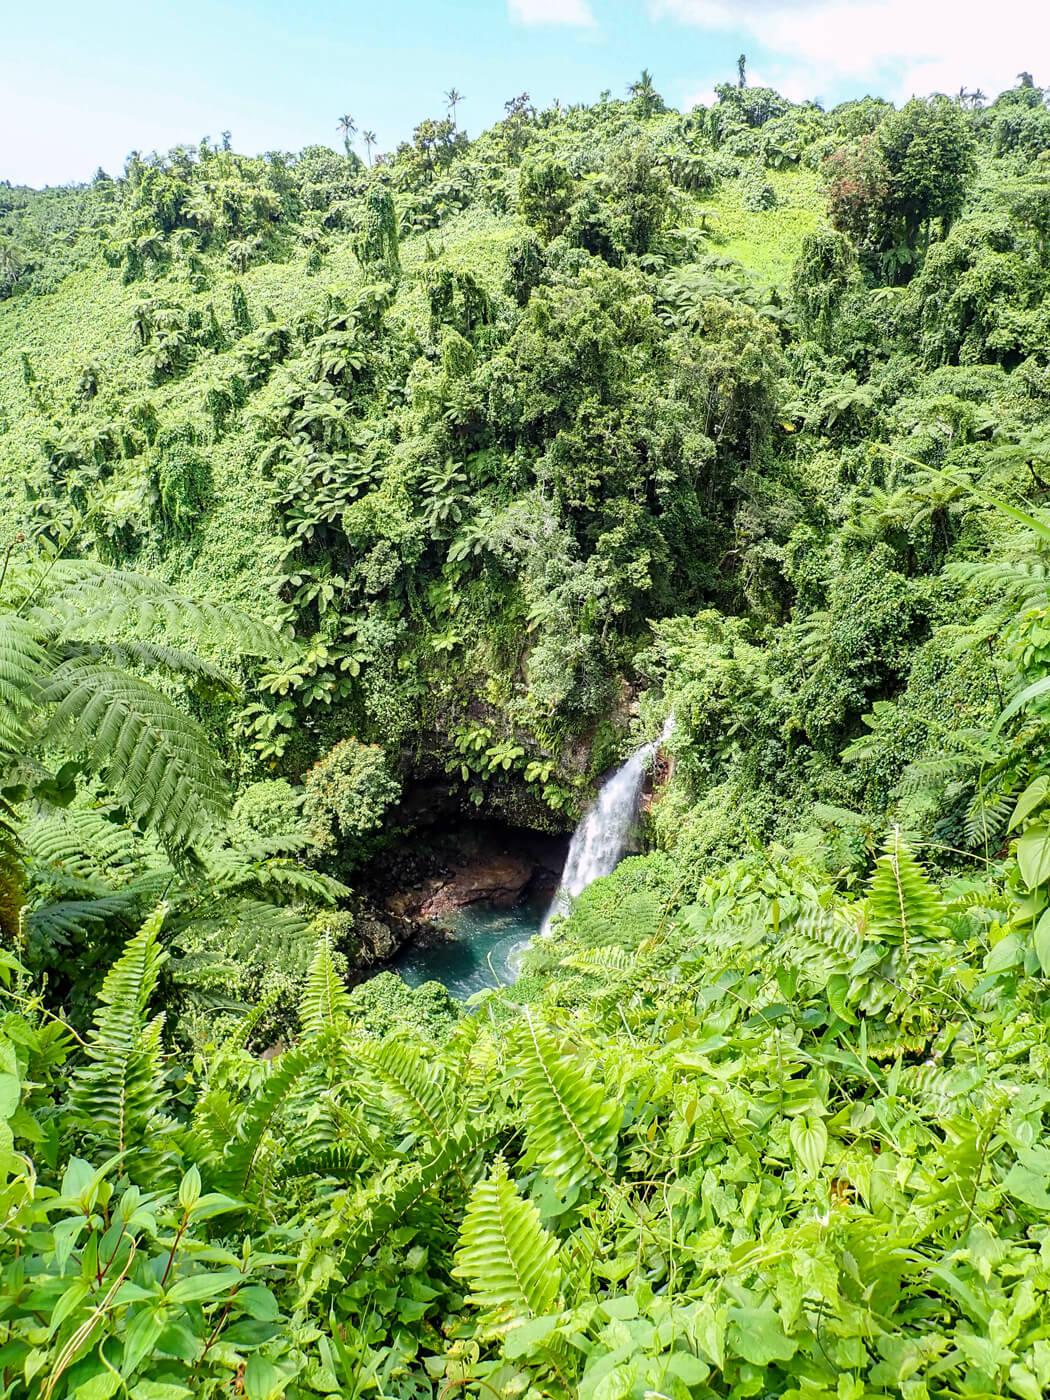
(347, 793)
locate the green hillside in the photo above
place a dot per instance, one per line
(351, 506)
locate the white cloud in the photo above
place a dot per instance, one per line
(569, 12)
(910, 46)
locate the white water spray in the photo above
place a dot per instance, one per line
(600, 841)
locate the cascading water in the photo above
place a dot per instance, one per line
(490, 945)
(600, 840)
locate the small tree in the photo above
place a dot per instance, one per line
(347, 793)
(545, 194)
(929, 152)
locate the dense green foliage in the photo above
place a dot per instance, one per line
(325, 480)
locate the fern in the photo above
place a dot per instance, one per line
(571, 1125)
(904, 908)
(156, 760)
(22, 666)
(325, 1000)
(241, 1156)
(506, 1256)
(82, 598)
(599, 962)
(389, 1203)
(414, 1089)
(338, 1160)
(118, 1094)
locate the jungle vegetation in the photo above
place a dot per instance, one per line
(477, 458)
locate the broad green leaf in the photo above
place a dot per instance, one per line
(688, 1368)
(1041, 942)
(100, 1386)
(262, 1380)
(199, 1287)
(258, 1302)
(67, 1304)
(1032, 797)
(10, 1083)
(141, 1336)
(1028, 1179)
(1007, 953)
(1033, 855)
(1021, 700)
(708, 1327)
(757, 1334)
(809, 1141)
(190, 1189)
(525, 1339)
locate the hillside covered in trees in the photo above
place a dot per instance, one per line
(351, 497)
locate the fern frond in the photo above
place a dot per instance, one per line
(241, 1156)
(23, 665)
(325, 1000)
(119, 1093)
(234, 868)
(505, 1255)
(904, 907)
(80, 847)
(600, 961)
(151, 656)
(389, 1204)
(414, 1089)
(571, 1124)
(63, 919)
(82, 598)
(339, 1160)
(155, 759)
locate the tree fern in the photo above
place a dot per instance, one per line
(156, 759)
(23, 664)
(325, 1000)
(904, 908)
(80, 599)
(118, 1094)
(506, 1256)
(571, 1124)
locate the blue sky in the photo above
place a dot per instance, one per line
(83, 84)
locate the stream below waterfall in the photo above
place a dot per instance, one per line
(486, 942)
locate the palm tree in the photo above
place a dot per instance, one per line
(369, 138)
(453, 98)
(348, 127)
(645, 95)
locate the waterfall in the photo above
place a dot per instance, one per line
(600, 840)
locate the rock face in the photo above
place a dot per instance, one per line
(499, 878)
(481, 865)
